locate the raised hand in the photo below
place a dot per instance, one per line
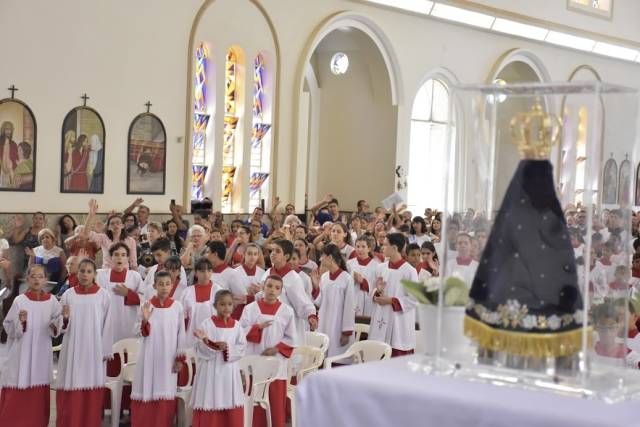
(138, 201)
(22, 316)
(146, 311)
(315, 278)
(65, 312)
(93, 207)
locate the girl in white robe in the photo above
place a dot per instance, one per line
(363, 270)
(250, 274)
(393, 319)
(86, 346)
(217, 396)
(160, 323)
(198, 299)
(123, 285)
(336, 318)
(271, 331)
(34, 318)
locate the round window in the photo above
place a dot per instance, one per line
(339, 63)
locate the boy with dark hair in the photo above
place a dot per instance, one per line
(161, 250)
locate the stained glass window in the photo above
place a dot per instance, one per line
(260, 137)
(230, 126)
(201, 120)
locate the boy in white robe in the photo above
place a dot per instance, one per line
(463, 265)
(34, 318)
(271, 331)
(160, 323)
(393, 318)
(363, 269)
(161, 250)
(198, 299)
(293, 293)
(336, 318)
(217, 397)
(86, 346)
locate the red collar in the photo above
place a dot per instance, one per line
(203, 292)
(270, 309)
(249, 271)
(396, 265)
(421, 266)
(219, 269)
(81, 290)
(364, 261)
(118, 277)
(155, 301)
(219, 322)
(281, 272)
(464, 261)
(334, 276)
(33, 296)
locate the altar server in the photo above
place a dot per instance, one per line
(161, 250)
(363, 269)
(217, 396)
(271, 331)
(250, 276)
(87, 344)
(160, 323)
(336, 301)
(463, 265)
(393, 318)
(34, 318)
(123, 286)
(198, 299)
(222, 274)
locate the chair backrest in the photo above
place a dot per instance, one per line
(318, 340)
(304, 359)
(370, 351)
(359, 329)
(257, 373)
(130, 347)
(190, 361)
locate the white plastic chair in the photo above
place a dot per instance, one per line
(359, 329)
(362, 352)
(307, 359)
(318, 340)
(258, 372)
(130, 346)
(183, 394)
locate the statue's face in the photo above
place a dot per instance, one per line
(8, 132)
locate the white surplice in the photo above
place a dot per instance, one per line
(123, 315)
(149, 292)
(197, 301)
(337, 309)
(367, 269)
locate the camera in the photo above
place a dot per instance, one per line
(146, 259)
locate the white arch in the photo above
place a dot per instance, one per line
(334, 22)
(520, 55)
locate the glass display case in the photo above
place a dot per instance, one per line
(537, 230)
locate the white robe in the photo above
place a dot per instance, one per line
(294, 295)
(282, 330)
(248, 280)
(197, 312)
(396, 328)
(29, 357)
(123, 316)
(229, 279)
(218, 384)
(337, 310)
(87, 342)
(367, 269)
(466, 272)
(154, 378)
(149, 292)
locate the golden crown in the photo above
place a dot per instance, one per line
(535, 132)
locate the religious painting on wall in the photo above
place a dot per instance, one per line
(599, 8)
(17, 146)
(610, 183)
(624, 183)
(146, 158)
(83, 147)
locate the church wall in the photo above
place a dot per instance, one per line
(123, 53)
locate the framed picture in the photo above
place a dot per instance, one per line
(610, 182)
(83, 147)
(146, 155)
(17, 146)
(599, 8)
(624, 183)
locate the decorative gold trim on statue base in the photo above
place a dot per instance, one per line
(527, 344)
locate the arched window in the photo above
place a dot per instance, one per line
(201, 118)
(427, 149)
(261, 137)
